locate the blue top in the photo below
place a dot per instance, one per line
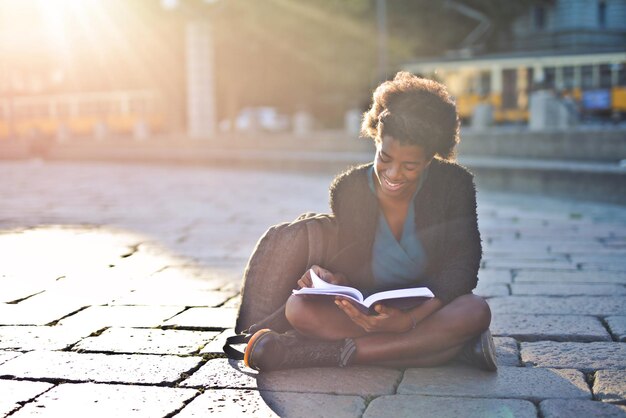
(397, 264)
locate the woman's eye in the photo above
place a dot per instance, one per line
(383, 159)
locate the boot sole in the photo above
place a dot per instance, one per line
(489, 351)
(247, 355)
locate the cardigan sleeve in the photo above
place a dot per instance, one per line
(461, 247)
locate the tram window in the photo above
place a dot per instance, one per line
(621, 74)
(586, 75)
(484, 88)
(605, 76)
(568, 78)
(549, 77)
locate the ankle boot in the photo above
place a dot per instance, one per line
(480, 352)
(268, 350)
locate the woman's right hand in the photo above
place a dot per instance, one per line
(327, 276)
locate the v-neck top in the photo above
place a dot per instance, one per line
(397, 264)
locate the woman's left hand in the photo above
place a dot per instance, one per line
(388, 319)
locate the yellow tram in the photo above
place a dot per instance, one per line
(80, 114)
(596, 82)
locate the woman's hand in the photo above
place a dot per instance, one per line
(388, 319)
(327, 276)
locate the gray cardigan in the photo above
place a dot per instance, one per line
(446, 222)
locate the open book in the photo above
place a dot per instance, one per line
(400, 298)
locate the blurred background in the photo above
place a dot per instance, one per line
(297, 75)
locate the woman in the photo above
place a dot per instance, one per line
(406, 220)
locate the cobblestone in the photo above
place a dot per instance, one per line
(251, 403)
(568, 408)
(116, 280)
(617, 326)
(87, 399)
(510, 382)
(405, 406)
(583, 356)
(608, 385)
(549, 327)
(13, 392)
(98, 367)
(146, 341)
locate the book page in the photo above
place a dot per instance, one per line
(320, 287)
(416, 292)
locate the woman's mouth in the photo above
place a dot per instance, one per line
(392, 185)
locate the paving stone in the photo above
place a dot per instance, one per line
(14, 391)
(95, 318)
(494, 276)
(250, 403)
(8, 355)
(582, 356)
(99, 367)
(617, 326)
(205, 318)
(223, 373)
(363, 381)
(146, 341)
(529, 264)
(570, 289)
(405, 406)
(215, 346)
(570, 408)
(529, 276)
(22, 314)
(491, 290)
(27, 338)
(549, 327)
(507, 351)
(89, 399)
(610, 385)
(571, 305)
(173, 296)
(509, 382)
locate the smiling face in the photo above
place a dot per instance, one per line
(398, 168)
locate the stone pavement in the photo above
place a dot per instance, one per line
(119, 283)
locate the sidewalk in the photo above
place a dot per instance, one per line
(118, 284)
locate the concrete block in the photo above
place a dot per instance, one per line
(572, 355)
(215, 346)
(176, 297)
(89, 399)
(572, 305)
(251, 403)
(549, 327)
(569, 289)
(610, 385)
(146, 341)
(38, 338)
(494, 276)
(585, 277)
(358, 380)
(16, 391)
(529, 264)
(569, 408)
(507, 351)
(21, 314)
(99, 367)
(408, 406)
(491, 290)
(223, 373)
(204, 318)
(8, 355)
(617, 326)
(532, 384)
(95, 318)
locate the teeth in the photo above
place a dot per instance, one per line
(392, 185)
